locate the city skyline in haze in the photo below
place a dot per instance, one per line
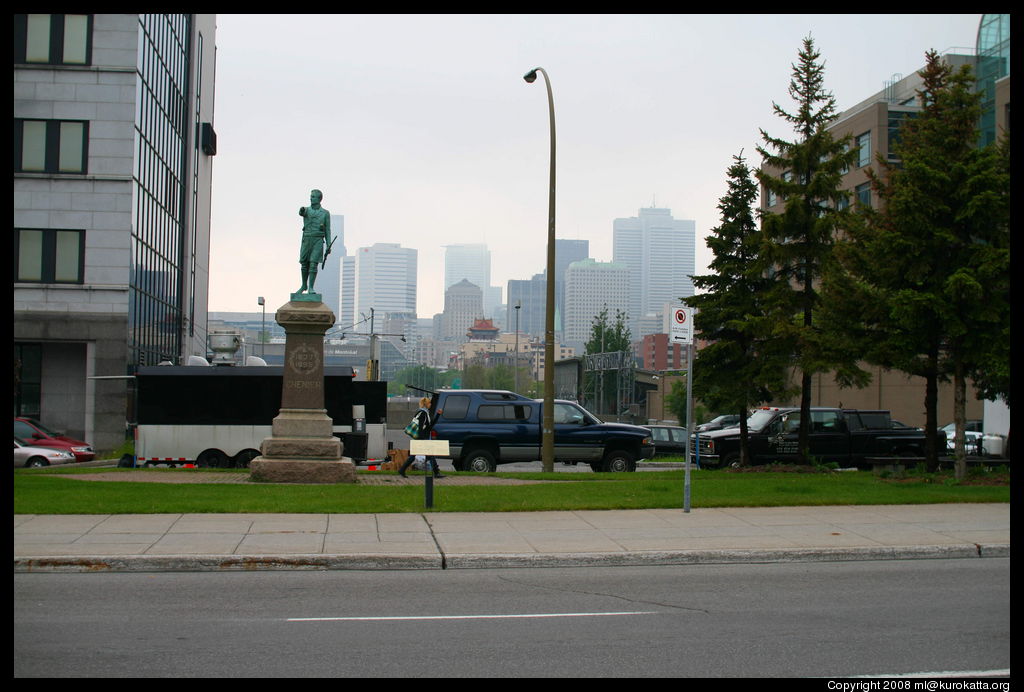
(420, 130)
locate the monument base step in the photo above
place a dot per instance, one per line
(302, 470)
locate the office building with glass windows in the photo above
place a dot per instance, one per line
(113, 145)
(590, 288)
(659, 251)
(993, 75)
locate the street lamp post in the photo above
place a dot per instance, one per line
(548, 429)
(515, 367)
(263, 329)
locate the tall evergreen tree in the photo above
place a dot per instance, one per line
(930, 266)
(742, 365)
(806, 173)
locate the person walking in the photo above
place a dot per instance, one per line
(423, 418)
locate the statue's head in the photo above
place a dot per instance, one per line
(315, 196)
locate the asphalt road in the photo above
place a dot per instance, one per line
(771, 620)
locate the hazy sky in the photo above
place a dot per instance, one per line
(420, 130)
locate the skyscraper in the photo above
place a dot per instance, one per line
(591, 287)
(472, 262)
(659, 253)
(531, 296)
(328, 282)
(567, 251)
(113, 158)
(463, 303)
(384, 279)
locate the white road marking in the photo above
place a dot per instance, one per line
(947, 674)
(472, 617)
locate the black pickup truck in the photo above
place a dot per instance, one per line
(485, 428)
(845, 436)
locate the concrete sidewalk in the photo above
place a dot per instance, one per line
(198, 542)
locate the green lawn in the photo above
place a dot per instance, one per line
(37, 491)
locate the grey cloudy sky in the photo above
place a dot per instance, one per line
(420, 130)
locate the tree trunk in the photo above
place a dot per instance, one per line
(744, 447)
(960, 419)
(931, 404)
(803, 444)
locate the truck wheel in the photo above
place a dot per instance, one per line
(479, 460)
(731, 461)
(242, 459)
(214, 458)
(619, 460)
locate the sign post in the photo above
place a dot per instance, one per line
(682, 333)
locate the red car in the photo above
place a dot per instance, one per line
(34, 433)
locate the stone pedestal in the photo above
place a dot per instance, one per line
(302, 448)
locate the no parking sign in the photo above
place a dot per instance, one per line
(682, 326)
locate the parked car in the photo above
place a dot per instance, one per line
(719, 423)
(975, 441)
(35, 433)
(30, 456)
(485, 428)
(845, 436)
(669, 440)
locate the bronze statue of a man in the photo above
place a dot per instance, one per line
(316, 239)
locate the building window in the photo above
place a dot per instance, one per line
(897, 121)
(51, 146)
(53, 39)
(864, 149)
(863, 193)
(49, 256)
(28, 377)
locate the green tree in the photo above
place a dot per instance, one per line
(606, 337)
(938, 305)
(742, 365)
(676, 402)
(797, 244)
(422, 376)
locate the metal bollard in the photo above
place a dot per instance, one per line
(428, 489)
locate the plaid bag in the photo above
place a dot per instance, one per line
(413, 429)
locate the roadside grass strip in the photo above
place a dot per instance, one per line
(41, 492)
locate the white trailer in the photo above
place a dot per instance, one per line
(219, 416)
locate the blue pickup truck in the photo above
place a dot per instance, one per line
(485, 428)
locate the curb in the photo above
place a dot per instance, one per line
(250, 563)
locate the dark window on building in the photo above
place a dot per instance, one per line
(896, 121)
(863, 193)
(28, 377)
(49, 255)
(863, 149)
(51, 146)
(53, 39)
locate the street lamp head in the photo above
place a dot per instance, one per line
(531, 76)
(260, 301)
